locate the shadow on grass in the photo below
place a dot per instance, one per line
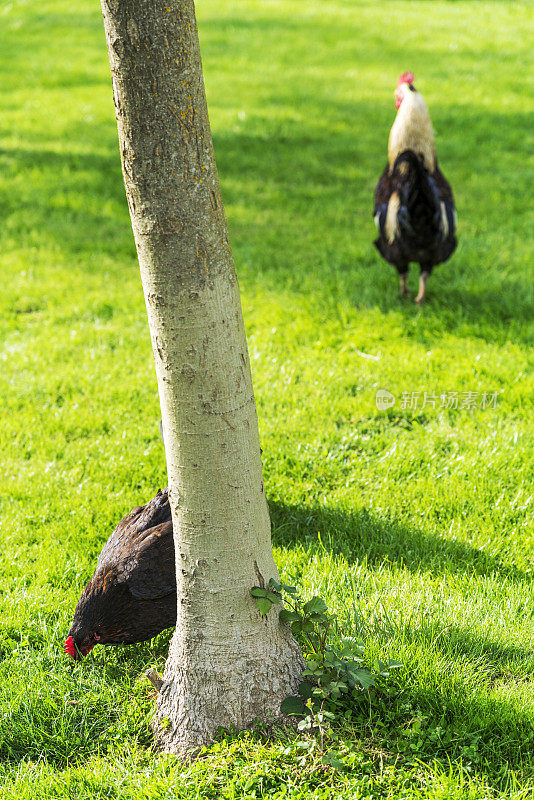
(74, 201)
(460, 721)
(467, 720)
(327, 183)
(364, 537)
(306, 224)
(500, 663)
(477, 720)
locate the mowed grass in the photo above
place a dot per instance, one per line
(415, 524)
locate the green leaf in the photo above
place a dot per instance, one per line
(274, 598)
(351, 645)
(329, 657)
(288, 616)
(293, 706)
(306, 690)
(288, 589)
(319, 619)
(257, 591)
(263, 604)
(333, 762)
(315, 606)
(353, 667)
(364, 678)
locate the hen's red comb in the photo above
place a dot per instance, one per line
(68, 647)
(406, 77)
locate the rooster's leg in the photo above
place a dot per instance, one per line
(423, 278)
(403, 286)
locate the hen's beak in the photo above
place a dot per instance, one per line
(78, 651)
(70, 648)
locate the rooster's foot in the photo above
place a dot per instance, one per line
(423, 278)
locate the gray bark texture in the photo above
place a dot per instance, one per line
(227, 665)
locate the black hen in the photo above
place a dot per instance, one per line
(132, 595)
(414, 206)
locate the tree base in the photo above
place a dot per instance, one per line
(224, 691)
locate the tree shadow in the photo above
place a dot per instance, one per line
(478, 719)
(331, 177)
(278, 183)
(314, 158)
(498, 661)
(364, 537)
(473, 719)
(79, 206)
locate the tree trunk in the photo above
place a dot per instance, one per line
(227, 665)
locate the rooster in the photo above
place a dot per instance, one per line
(132, 595)
(414, 206)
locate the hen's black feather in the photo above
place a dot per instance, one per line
(425, 220)
(132, 595)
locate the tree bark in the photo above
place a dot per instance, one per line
(227, 665)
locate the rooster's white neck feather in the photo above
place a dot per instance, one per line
(412, 130)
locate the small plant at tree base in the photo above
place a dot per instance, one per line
(335, 675)
(314, 748)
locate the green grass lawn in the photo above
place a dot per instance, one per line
(415, 524)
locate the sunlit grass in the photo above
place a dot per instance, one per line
(415, 524)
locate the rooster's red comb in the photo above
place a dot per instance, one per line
(406, 77)
(68, 647)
